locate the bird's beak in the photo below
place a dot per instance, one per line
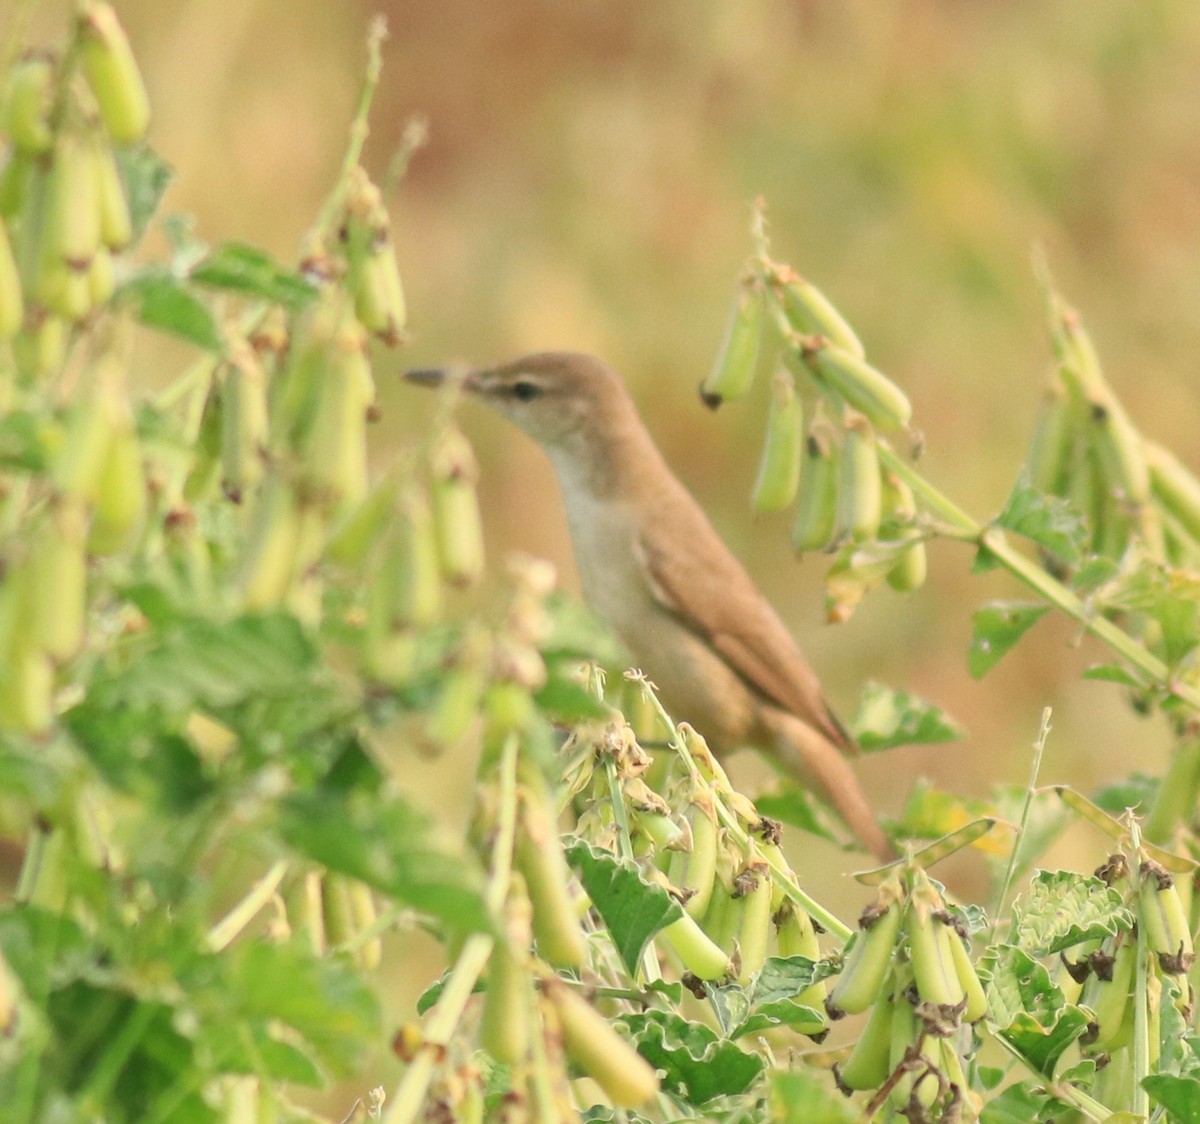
(435, 377)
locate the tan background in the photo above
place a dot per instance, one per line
(587, 186)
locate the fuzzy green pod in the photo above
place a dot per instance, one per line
(815, 522)
(116, 224)
(869, 1063)
(692, 871)
(374, 271)
(779, 469)
(857, 383)
(809, 312)
(1049, 458)
(900, 510)
(733, 372)
(453, 471)
(860, 489)
(112, 72)
(27, 101)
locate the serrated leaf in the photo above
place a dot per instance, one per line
(146, 177)
(1061, 909)
(696, 1064)
(1028, 1009)
(1180, 1096)
(800, 1096)
(633, 910)
(888, 718)
(244, 269)
(996, 628)
(161, 300)
(383, 840)
(1049, 521)
(784, 977)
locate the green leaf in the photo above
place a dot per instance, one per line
(784, 977)
(800, 1096)
(146, 178)
(996, 628)
(888, 718)
(696, 1064)
(1049, 521)
(1061, 909)
(1017, 1104)
(785, 1013)
(378, 837)
(633, 909)
(1028, 1009)
(1111, 673)
(795, 806)
(243, 269)
(1180, 1096)
(930, 813)
(1135, 791)
(27, 441)
(161, 300)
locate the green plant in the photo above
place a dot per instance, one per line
(212, 617)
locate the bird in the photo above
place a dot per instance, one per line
(652, 567)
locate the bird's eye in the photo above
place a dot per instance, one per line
(524, 390)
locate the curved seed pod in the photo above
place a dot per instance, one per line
(779, 470)
(459, 529)
(119, 508)
(900, 508)
(797, 936)
(26, 691)
(504, 1027)
(244, 422)
(456, 714)
(1109, 989)
(12, 304)
(1175, 486)
(809, 312)
(415, 565)
(867, 962)
(816, 506)
(77, 466)
(869, 1063)
(27, 103)
(1119, 449)
(721, 919)
(270, 562)
(58, 581)
(306, 911)
(336, 450)
(368, 954)
(1114, 1083)
(112, 72)
(860, 490)
(71, 232)
(1049, 458)
(929, 947)
(374, 272)
(1161, 912)
(700, 955)
(116, 226)
(206, 451)
(733, 373)
(692, 872)
(593, 1044)
(752, 902)
(538, 855)
(972, 986)
(101, 280)
(336, 911)
(366, 527)
(857, 383)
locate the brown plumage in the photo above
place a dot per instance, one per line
(654, 569)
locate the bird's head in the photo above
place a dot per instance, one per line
(559, 398)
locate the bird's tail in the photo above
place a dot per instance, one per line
(809, 757)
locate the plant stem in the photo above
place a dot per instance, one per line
(443, 1020)
(1177, 793)
(225, 930)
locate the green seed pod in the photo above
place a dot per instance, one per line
(692, 872)
(779, 470)
(504, 1027)
(26, 691)
(101, 280)
(337, 914)
(27, 103)
(89, 429)
(1108, 990)
(456, 714)
(929, 948)
(368, 954)
(796, 935)
(456, 519)
(415, 563)
(593, 1044)
(816, 506)
(809, 312)
(869, 1063)
(867, 962)
(116, 225)
(374, 272)
(1174, 486)
(1119, 450)
(752, 902)
(969, 978)
(112, 72)
(1050, 450)
(39, 347)
(58, 581)
(71, 232)
(244, 422)
(860, 490)
(900, 510)
(12, 304)
(733, 373)
(721, 920)
(1165, 920)
(119, 508)
(538, 855)
(15, 179)
(306, 911)
(857, 383)
(269, 565)
(365, 527)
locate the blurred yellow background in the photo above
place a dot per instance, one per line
(587, 185)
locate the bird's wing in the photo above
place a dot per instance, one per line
(721, 603)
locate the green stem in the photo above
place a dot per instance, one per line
(1177, 793)
(327, 219)
(443, 1021)
(116, 1055)
(225, 930)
